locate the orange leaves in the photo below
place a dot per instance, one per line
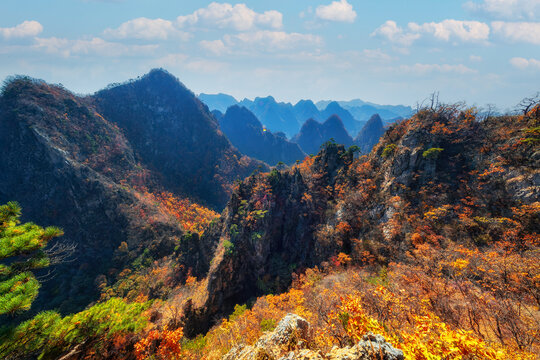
(193, 217)
(164, 345)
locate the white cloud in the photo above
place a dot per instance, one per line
(453, 30)
(144, 28)
(393, 33)
(522, 63)
(506, 9)
(528, 32)
(216, 47)
(446, 30)
(475, 58)
(272, 40)
(24, 29)
(226, 16)
(95, 46)
(337, 11)
(422, 69)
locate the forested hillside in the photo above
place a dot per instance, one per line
(427, 247)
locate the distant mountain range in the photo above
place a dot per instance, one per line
(313, 134)
(248, 135)
(289, 118)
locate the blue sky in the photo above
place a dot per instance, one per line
(385, 51)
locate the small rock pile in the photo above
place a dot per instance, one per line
(293, 332)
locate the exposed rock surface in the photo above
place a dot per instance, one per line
(286, 342)
(265, 233)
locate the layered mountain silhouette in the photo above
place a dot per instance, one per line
(362, 110)
(84, 164)
(287, 118)
(273, 115)
(246, 132)
(313, 134)
(370, 134)
(351, 124)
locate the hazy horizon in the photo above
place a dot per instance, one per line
(385, 52)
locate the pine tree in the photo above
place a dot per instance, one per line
(21, 251)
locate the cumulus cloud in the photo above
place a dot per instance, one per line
(528, 32)
(94, 46)
(226, 16)
(522, 63)
(216, 47)
(506, 9)
(393, 33)
(24, 29)
(446, 30)
(422, 69)
(144, 28)
(453, 29)
(272, 40)
(340, 11)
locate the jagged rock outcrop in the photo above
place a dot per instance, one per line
(291, 337)
(247, 134)
(370, 134)
(313, 134)
(266, 231)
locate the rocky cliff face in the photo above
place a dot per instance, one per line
(62, 162)
(266, 232)
(247, 134)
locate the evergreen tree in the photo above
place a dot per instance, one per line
(21, 251)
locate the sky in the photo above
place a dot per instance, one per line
(383, 51)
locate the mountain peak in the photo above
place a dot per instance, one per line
(334, 120)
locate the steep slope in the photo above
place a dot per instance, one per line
(191, 155)
(219, 101)
(370, 134)
(265, 233)
(245, 132)
(439, 179)
(351, 124)
(67, 166)
(313, 134)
